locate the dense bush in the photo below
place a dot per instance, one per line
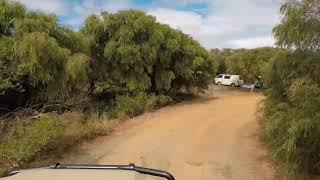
(126, 105)
(118, 65)
(35, 61)
(133, 52)
(49, 132)
(291, 113)
(127, 52)
(28, 141)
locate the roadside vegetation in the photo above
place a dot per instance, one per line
(291, 110)
(291, 74)
(59, 86)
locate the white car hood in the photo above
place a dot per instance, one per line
(70, 174)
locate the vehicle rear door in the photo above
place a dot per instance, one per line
(241, 80)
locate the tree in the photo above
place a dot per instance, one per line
(133, 52)
(8, 13)
(220, 56)
(249, 63)
(300, 25)
(8, 77)
(291, 109)
(34, 58)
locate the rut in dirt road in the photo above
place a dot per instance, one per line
(212, 138)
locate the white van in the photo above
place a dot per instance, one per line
(229, 80)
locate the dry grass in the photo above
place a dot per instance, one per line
(48, 135)
(39, 138)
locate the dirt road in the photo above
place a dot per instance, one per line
(213, 138)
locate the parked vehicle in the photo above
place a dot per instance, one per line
(229, 80)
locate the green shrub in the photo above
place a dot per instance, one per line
(46, 63)
(99, 125)
(131, 50)
(49, 133)
(30, 140)
(291, 113)
(163, 100)
(132, 105)
(294, 81)
(127, 105)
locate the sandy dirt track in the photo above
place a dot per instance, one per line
(211, 138)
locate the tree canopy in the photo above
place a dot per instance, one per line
(128, 51)
(292, 105)
(250, 63)
(132, 51)
(300, 25)
(37, 54)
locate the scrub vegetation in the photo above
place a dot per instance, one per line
(291, 74)
(291, 110)
(59, 86)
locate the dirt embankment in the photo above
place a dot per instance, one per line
(213, 138)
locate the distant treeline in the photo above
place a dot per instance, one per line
(250, 63)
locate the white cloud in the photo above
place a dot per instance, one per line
(77, 12)
(170, 2)
(252, 42)
(207, 30)
(228, 23)
(191, 1)
(89, 7)
(49, 6)
(247, 12)
(224, 23)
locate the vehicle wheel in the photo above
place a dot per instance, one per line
(233, 85)
(219, 83)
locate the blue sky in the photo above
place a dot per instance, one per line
(214, 23)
